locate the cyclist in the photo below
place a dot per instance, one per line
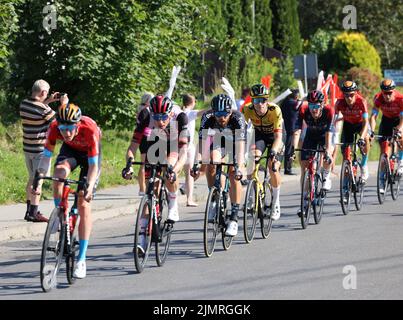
(390, 102)
(354, 112)
(319, 121)
(228, 130)
(81, 147)
(167, 142)
(266, 118)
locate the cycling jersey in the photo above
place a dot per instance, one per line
(315, 126)
(87, 138)
(352, 114)
(269, 123)
(389, 110)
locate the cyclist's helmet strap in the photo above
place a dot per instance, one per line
(316, 96)
(387, 85)
(221, 102)
(161, 104)
(259, 90)
(349, 86)
(69, 113)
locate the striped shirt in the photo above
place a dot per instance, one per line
(36, 118)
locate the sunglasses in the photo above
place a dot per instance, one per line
(387, 93)
(220, 114)
(314, 106)
(160, 116)
(67, 127)
(259, 100)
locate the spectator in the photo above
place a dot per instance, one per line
(189, 102)
(289, 109)
(240, 102)
(144, 103)
(36, 117)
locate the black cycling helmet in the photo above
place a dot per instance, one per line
(387, 85)
(316, 96)
(349, 86)
(221, 102)
(259, 91)
(161, 104)
(69, 113)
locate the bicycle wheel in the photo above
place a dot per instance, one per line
(358, 192)
(265, 215)
(345, 187)
(395, 183)
(250, 211)
(306, 201)
(72, 250)
(164, 228)
(52, 250)
(211, 222)
(142, 237)
(226, 240)
(382, 178)
(318, 200)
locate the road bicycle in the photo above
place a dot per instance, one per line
(254, 207)
(387, 175)
(61, 236)
(312, 194)
(350, 183)
(154, 208)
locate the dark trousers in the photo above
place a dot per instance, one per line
(288, 151)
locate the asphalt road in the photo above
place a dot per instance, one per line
(359, 256)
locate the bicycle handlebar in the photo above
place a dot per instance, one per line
(311, 150)
(63, 180)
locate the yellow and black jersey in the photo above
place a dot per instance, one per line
(269, 123)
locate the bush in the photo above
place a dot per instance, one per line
(353, 50)
(257, 67)
(368, 82)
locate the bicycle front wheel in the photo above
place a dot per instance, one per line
(164, 230)
(345, 187)
(52, 250)
(226, 240)
(266, 221)
(359, 193)
(250, 211)
(211, 222)
(306, 200)
(395, 183)
(319, 199)
(143, 234)
(382, 178)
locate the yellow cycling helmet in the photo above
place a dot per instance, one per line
(69, 113)
(259, 91)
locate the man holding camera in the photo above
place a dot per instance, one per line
(36, 117)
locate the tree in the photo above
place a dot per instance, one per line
(263, 21)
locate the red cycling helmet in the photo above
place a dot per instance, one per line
(316, 96)
(161, 104)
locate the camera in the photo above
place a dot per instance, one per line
(59, 95)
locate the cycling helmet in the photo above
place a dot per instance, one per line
(161, 104)
(387, 85)
(221, 102)
(316, 96)
(259, 91)
(69, 113)
(349, 86)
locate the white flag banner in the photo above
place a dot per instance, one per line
(321, 79)
(172, 81)
(229, 90)
(302, 93)
(282, 96)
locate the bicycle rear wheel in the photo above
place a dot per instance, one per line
(211, 222)
(382, 179)
(52, 250)
(395, 183)
(318, 200)
(250, 211)
(306, 200)
(72, 250)
(266, 221)
(165, 230)
(226, 240)
(345, 187)
(142, 237)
